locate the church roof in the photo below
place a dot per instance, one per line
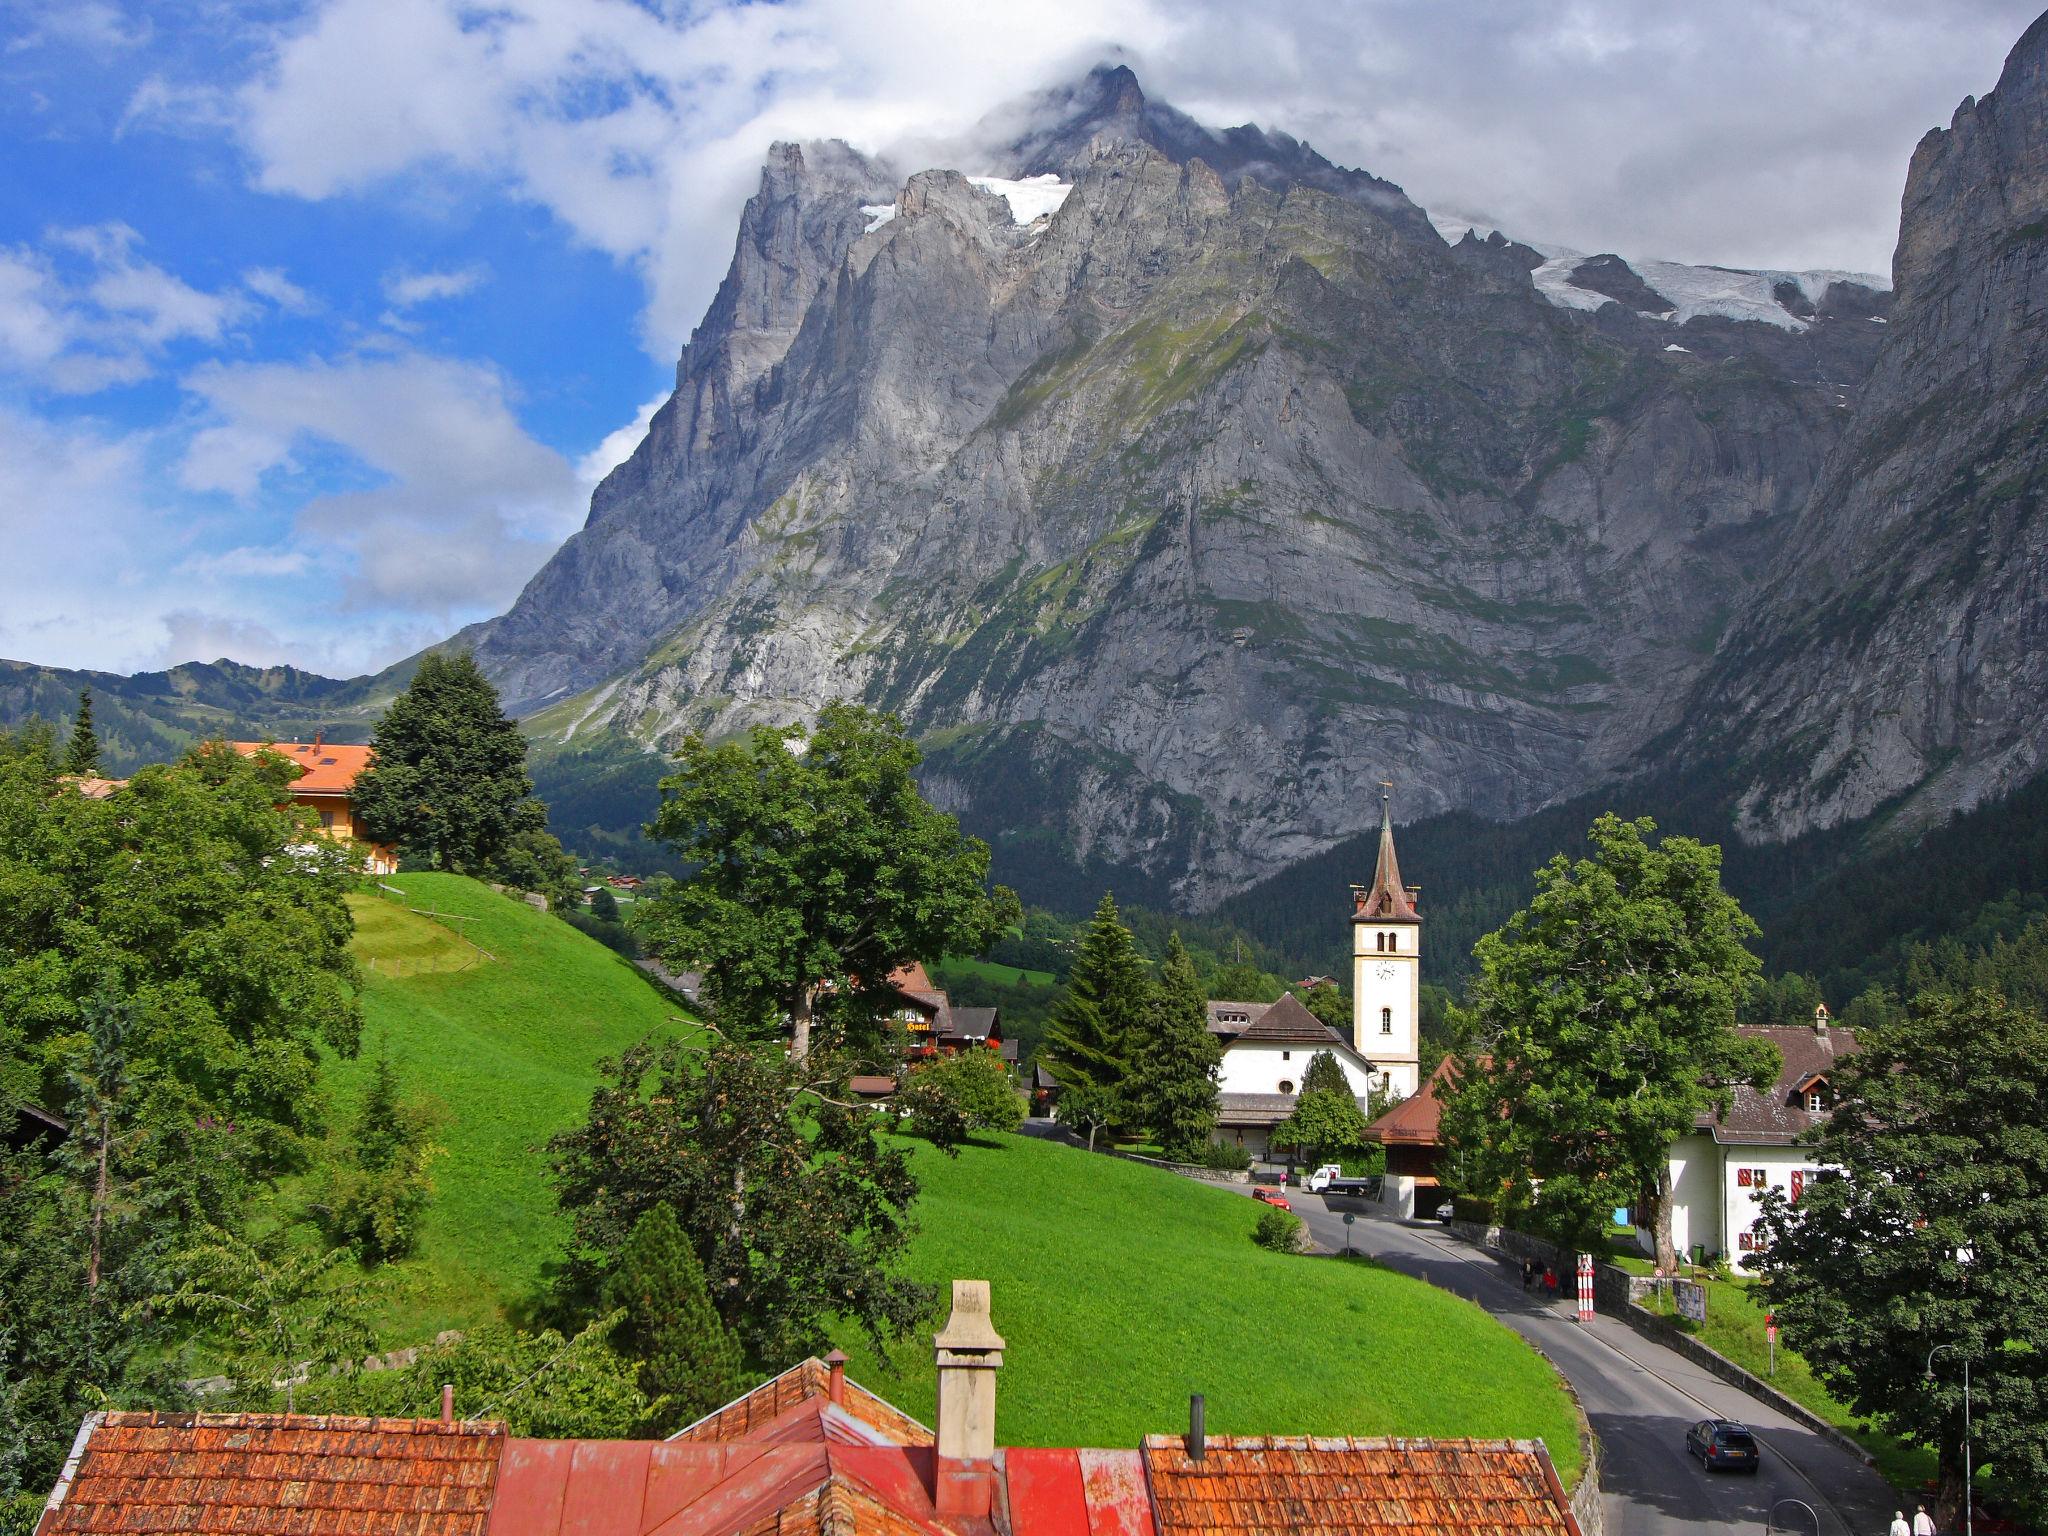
(1387, 900)
(1288, 1022)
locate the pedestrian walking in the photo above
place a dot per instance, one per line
(1923, 1523)
(1899, 1526)
(1528, 1273)
(1549, 1283)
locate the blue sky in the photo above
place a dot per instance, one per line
(318, 321)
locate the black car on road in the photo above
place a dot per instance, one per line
(1723, 1443)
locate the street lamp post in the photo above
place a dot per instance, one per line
(1969, 1488)
(1771, 1524)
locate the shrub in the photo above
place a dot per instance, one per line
(1472, 1208)
(376, 1187)
(949, 1099)
(1280, 1231)
(1225, 1156)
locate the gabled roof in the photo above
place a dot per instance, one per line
(1387, 900)
(1288, 1022)
(1229, 1018)
(1778, 1118)
(1337, 1484)
(329, 767)
(276, 1475)
(810, 1381)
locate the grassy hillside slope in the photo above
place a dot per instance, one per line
(507, 1048)
(1120, 1289)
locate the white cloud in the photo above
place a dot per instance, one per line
(405, 289)
(83, 311)
(1761, 132)
(459, 505)
(91, 26)
(272, 284)
(618, 445)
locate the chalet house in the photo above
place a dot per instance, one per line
(937, 1028)
(810, 1453)
(1718, 1170)
(327, 774)
(1721, 1169)
(1266, 1049)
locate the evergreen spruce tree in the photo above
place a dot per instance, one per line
(1324, 1076)
(1176, 1060)
(1089, 1040)
(449, 778)
(82, 752)
(689, 1362)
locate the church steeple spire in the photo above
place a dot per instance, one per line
(1387, 897)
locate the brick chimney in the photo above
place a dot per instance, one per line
(967, 1351)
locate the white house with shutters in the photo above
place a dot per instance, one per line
(1721, 1169)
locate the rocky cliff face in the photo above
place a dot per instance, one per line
(1903, 648)
(1177, 516)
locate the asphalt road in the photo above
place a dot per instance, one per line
(1640, 1397)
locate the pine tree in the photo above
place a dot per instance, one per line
(1089, 1039)
(82, 752)
(449, 780)
(1324, 1076)
(689, 1362)
(1176, 1060)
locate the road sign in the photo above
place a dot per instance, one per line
(1585, 1288)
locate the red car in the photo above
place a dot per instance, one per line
(1267, 1194)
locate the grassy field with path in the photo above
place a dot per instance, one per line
(506, 1048)
(1120, 1289)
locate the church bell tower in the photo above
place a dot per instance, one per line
(1386, 966)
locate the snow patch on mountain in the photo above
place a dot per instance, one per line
(1735, 293)
(878, 215)
(1031, 198)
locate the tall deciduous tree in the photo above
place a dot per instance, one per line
(820, 870)
(1328, 1003)
(1607, 1010)
(449, 780)
(796, 1209)
(82, 752)
(1089, 1041)
(1175, 1060)
(1929, 1229)
(689, 1362)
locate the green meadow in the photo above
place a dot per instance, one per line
(1120, 1288)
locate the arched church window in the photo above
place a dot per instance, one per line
(1393, 941)
(1386, 1021)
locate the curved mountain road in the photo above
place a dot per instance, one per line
(1640, 1397)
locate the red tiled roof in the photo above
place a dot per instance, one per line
(1417, 1120)
(330, 768)
(277, 1475)
(1340, 1485)
(809, 1382)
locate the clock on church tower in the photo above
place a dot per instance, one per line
(1386, 966)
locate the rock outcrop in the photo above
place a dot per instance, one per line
(1900, 654)
(1176, 518)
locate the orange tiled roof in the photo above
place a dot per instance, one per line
(273, 1475)
(745, 1417)
(329, 767)
(1414, 1487)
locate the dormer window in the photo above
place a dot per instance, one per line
(1816, 1101)
(1812, 1095)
